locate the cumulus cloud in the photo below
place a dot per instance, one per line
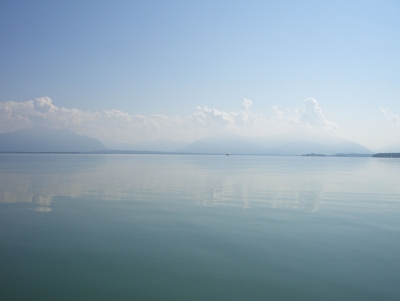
(117, 126)
(230, 119)
(246, 104)
(392, 117)
(204, 114)
(243, 122)
(309, 116)
(105, 125)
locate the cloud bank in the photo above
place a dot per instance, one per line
(117, 126)
(392, 117)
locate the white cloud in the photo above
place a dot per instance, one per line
(311, 115)
(105, 125)
(115, 125)
(205, 114)
(392, 117)
(246, 104)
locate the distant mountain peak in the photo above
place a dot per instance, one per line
(41, 139)
(393, 148)
(274, 145)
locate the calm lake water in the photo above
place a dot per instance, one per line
(169, 227)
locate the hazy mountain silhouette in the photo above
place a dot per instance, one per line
(393, 148)
(274, 145)
(39, 139)
(157, 145)
(223, 144)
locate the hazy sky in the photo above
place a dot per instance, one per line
(182, 70)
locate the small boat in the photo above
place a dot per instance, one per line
(227, 153)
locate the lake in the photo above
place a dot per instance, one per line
(191, 227)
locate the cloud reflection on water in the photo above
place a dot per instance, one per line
(242, 181)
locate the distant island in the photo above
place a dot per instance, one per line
(352, 155)
(387, 155)
(314, 155)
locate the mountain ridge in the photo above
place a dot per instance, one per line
(392, 148)
(159, 145)
(273, 145)
(40, 139)
(65, 140)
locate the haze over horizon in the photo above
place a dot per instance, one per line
(131, 72)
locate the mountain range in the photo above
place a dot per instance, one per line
(64, 140)
(393, 148)
(159, 145)
(39, 139)
(274, 145)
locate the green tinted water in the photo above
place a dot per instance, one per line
(152, 227)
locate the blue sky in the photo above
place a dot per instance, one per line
(165, 58)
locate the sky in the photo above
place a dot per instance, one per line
(131, 71)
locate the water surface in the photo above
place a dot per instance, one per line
(166, 227)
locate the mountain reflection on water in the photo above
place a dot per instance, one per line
(245, 181)
(169, 227)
